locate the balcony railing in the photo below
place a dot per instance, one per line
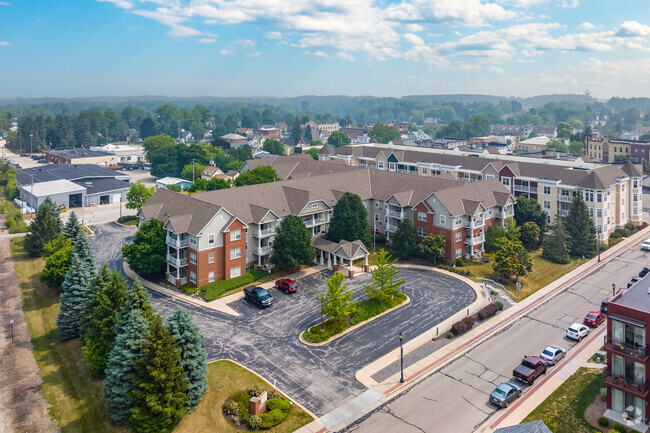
(639, 352)
(391, 228)
(177, 242)
(565, 198)
(261, 251)
(264, 232)
(396, 214)
(176, 261)
(475, 240)
(564, 213)
(474, 224)
(626, 383)
(310, 222)
(172, 279)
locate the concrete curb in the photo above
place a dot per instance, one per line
(352, 328)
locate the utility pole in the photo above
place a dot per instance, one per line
(193, 160)
(31, 143)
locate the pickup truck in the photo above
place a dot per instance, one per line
(531, 368)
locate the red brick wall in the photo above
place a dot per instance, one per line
(427, 225)
(204, 267)
(228, 245)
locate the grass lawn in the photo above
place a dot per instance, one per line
(75, 397)
(224, 379)
(566, 406)
(544, 273)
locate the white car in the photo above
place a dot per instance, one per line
(552, 354)
(577, 331)
(645, 246)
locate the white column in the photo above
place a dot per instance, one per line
(335, 260)
(329, 260)
(366, 259)
(350, 264)
(321, 257)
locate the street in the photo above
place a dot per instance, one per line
(455, 398)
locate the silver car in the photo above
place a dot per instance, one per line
(552, 354)
(505, 394)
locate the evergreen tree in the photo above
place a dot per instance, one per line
(45, 227)
(193, 357)
(383, 281)
(120, 368)
(308, 134)
(292, 244)
(57, 263)
(146, 254)
(137, 298)
(350, 221)
(91, 300)
(160, 393)
(580, 228)
(72, 227)
(84, 250)
(405, 239)
(72, 297)
(100, 331)
(555, 247)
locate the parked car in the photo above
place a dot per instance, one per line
(644, 271)
(645, 246)
(505, 394)
(603, 305)
(577, 331)
(258, 296)
(42, 161)
(24, 154)
(36, 157)
(552, 354)
(289, 286)
(531, 368)
(633, 281)
(594, 318)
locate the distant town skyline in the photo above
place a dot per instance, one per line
(242, 48)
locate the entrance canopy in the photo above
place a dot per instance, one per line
(343, 249)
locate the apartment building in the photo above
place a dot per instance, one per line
(217, 234)
(628, 363)
(612, 192)
(604, 149)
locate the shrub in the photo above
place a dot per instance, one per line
(273, 418)
(458, 328)
(460, 262)
(603, 393)
(500, 305)
(189, 289)
(634, 431)
(253, 391)
(467, 272)
(614, 241)
(603, 247)
(236, 420)
(214, 290)
(231, 407)
(254, 422)
(274, 395)
(476, 261)
(630, 227)
(469, 321)
(242, 397)
(620, 428)
(276, 403)
(380, 238)
(622, 233)
(488, 311)
(127, 219)
(615, 235)
(603, 421)
(449, 335)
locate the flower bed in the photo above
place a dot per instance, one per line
(237, 410)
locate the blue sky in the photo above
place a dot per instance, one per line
(77, 48)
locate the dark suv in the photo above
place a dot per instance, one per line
(258, 295)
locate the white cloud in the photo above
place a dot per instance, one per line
(413, 28)
(453, 12)
(345, 56)
(4, 44)
(273, 35)
(570, 3)
(207, 40)
(586, 26)
(633, 28)
(227, 51)
(320, 54)
(254, 54)
(124, 4)
(414, 39)
(497, 70)
(5, 4)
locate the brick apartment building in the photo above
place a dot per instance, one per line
(607, 149)
(628, 360)
(217, 234)
(613, 192)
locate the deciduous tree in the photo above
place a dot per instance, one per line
(338, 138)
(262, 174)
(433, 247)
(530, 234)
(530, 210)
(57, 263)
(273, 146)
(383, 133)
(405, 239)
(292, 244)
(383, 282)
(146, 254)
(138, 195)
(512, 259)
(335, 302)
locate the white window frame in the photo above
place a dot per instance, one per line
(192, 258)
(212, 239)
(211, 277)
(547, 204)
(422, 216)
(211, 258)
(193, 277)
(235, 253)
(193, 240)
(425, 170)
(459, 236)
(380, 165)
(376, 217)
(459, 252)
(234, 274)
(443, 220)
(422, 232)
(376, 203)
(235, 235)
(314, 205)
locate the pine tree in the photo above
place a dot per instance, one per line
(100, 331)
(580, 228)
(555, 246)
(91, 300)
(350, 221)
(72, 227)
(405, 239)
(72, 297)
(292, 244)
(193, 357)
(45, 227)
(84, 250)
(137, 298)
(120, 368)
(383, 281)
(160, 393)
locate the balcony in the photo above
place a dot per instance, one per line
(474, 224)
(262, 251)
(176, 242)
(177, 262)
(391, 227)
(632, 350)
(310, 222)
(475, 240)
(626, 383)
(264, 232)
(565, 198)
(172, 279)
(396, 214)
(564, 212)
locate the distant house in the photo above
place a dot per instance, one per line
(210, 172)
(248, 132)
(234, 138)
(535, 144)
(166, 182)
(186, 136)
(207, 137)
(268, 132)
(232, 174)
(263, 154)
(549, 131)
(282, 126)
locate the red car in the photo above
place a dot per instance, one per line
(289, 286)
(594, 319)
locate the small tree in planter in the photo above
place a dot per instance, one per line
(383, 278)
(335, 302)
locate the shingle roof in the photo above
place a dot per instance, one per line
(631, 170)
(326, 150)
(529, 427)
(299, 166)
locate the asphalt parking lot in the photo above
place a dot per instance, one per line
(266, 341)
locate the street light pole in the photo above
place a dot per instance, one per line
(31, 143)
(598, 239)
(613, 289)
(401, 356)
(11, 322)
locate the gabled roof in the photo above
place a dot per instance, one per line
(326, 150)
(631, 170)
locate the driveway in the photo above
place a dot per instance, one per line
(266, 341)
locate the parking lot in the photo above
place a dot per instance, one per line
(266, 341)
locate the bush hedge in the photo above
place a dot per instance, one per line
(216, 289)
(127, 219)
(238, 405)
(499, 304)
(604, 421)
(620, 428)
(488, 311)
(462, 325)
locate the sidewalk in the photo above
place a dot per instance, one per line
(423, 368)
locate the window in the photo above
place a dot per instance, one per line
(599, 197)
(459, 236)
(422, 232)
(599, 213)
(505, 181)
(193, 277)
(235, 235)
(591, 212)
(443, 220)
(422, 216)
(376, 217)
(547, 204)
(489, 176)
(391, 166)
(376, 203)
(211, 258)
(193, 240)
(211, 239)
(235, 253)
(635, 184)
(211, 277)
(547, 190)
(425, 170)
(442, 235)
(235, 272)
(193, 258)
(380, 165)
(635, 197)
(314, 205)
(623, 188)
(490, 211)
(459, 252)
(458, 221)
